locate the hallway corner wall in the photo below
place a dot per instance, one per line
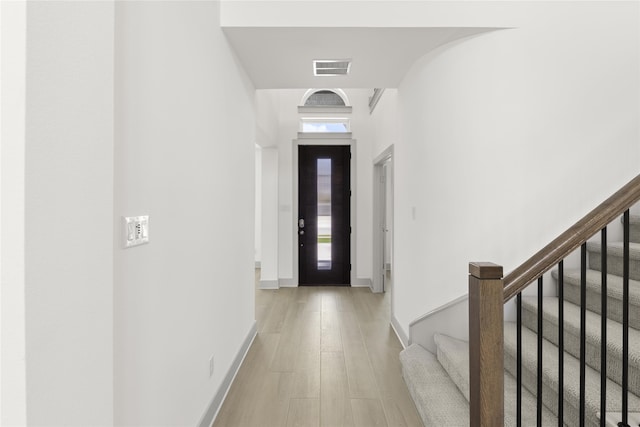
(185, 146)
(68, 213)
(508, 138)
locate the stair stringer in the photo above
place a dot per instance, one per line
(450, 319)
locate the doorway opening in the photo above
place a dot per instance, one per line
(324, 229)
(383, 222)
(332, 140)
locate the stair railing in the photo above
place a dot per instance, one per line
(489, 291)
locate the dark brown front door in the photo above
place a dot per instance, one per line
(324, 231)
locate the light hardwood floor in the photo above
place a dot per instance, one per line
(324, 356)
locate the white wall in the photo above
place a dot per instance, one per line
(69, 207)
(384, 122)
(13, 32)
(507, 139)
(185, 145)
(363, 134)
(266, 136)
(373, 13)
(258, 207)
(269, 223)
(286, 101)
(266, 119)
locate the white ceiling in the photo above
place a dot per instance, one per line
(281, 58)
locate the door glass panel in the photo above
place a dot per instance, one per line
(324, 214)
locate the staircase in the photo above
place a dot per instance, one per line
(439, 383)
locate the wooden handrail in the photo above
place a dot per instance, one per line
(571, 239)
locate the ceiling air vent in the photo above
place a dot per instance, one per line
(331, 67)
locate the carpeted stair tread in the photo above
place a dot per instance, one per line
(529, 415)
(594, 291)
(437, 398)
(615, 248)
(571, 378)
(614, 258)
(572, 337)
(453, 355)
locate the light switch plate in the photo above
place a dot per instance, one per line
(135, 230)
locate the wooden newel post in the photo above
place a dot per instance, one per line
(486, 338)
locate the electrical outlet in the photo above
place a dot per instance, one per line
(211, 366)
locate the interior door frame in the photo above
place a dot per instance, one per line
(378, 265)
(329, 139)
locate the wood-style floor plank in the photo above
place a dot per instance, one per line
(398, 414)
(304, 413)
(335, 408)
(344, 300)
(323, 356)
(275, 319)
(349, 326)
(291, 331)
(362, 383)
(368, 413)
(272, 409)
(331, 338)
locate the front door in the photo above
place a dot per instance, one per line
(324, 231)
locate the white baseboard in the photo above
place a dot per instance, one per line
(395, 325)
(269, 284)
(211, 412)
(287, 283)
(362, 283)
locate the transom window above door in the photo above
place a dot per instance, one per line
(324, 125)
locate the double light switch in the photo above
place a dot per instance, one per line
(135, 230)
